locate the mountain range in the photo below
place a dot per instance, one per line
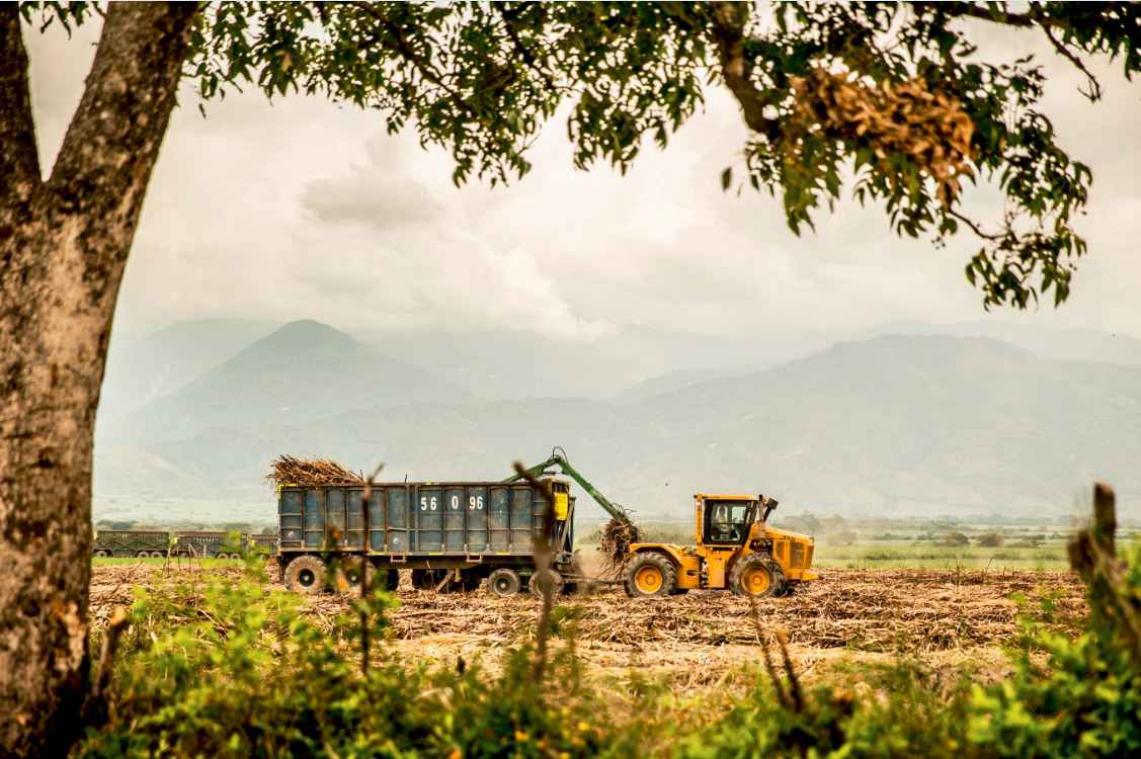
(901, 424)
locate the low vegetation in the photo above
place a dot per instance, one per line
(234, 668)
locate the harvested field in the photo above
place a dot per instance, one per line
(942, 617)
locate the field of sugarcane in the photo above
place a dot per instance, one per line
(941, 616)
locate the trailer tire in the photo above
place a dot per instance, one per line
(391, 578)
(543, 577)
(306, 574)
(102, 552)
(347, 574)
(756, 575)
(470, 580)
(427, 579)
(650, 575)
(504, 582)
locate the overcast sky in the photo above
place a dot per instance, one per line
(303, 209)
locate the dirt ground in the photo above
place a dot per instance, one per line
(942, 618)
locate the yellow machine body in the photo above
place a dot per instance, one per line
(726, 528)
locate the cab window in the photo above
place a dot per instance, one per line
(726, 521)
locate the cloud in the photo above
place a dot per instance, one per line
(303, 208)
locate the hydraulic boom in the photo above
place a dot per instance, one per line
(559, 459)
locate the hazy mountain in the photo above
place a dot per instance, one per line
(1066, 344)
(143, 368)
(893, 425)
(301, 372)
(515, 365)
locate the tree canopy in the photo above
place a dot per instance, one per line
(893, 102)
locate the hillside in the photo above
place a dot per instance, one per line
(141, 369)
(303, 371)
(893, 425)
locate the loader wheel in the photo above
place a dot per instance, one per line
(650, 574)
(756, 575)
(306, 574)
(504, 582)
(347, 576)
(547, 577)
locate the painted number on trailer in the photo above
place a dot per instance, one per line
(475, 503)
(426, 503)
(455, 503)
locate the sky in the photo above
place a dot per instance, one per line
(300, 208)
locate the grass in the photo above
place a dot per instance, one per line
(926, 555)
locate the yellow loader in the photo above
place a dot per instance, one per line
(734, 546)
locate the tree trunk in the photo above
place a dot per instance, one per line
(63, 247)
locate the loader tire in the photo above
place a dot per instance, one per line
(504, 582)
(650, 575)
(756, 575)
(306, 574)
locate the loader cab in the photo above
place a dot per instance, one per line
(724, 520)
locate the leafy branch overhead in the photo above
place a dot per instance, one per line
(892, 100)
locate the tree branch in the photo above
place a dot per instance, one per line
(523, 51)
(19, 161)
(1095, 86)
(729, 34)
(407, 53)
(990, 12)
(974, 227)
(1034, 17)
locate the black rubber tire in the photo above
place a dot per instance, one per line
(306, 574)
(347, 575)
(535, 584)
(391, 579)
(470, 580)
(504, 582)
(752, 562)
(102, 552)
(142, 554)
(427, 579)
(646, 561)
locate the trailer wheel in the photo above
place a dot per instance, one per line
(470, 580)
(427, 579)
(504, 582)
(756, 575)
(102, 552)
(545, 578)
(142, 554)
(650, 575)
(391, 579)
(347, 575)
(306, 574)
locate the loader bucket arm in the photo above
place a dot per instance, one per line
(558, 459)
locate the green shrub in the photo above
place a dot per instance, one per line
(991, 540)
(237, 670)
(1085, 699)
